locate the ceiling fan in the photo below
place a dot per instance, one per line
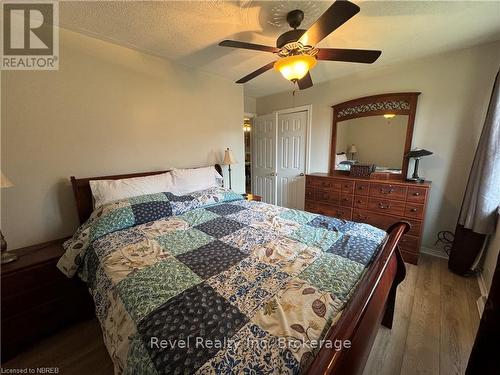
(296, 48)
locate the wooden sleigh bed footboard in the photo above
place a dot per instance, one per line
(372, 304)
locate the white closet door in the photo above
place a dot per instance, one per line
(292, 132)
(264, 157)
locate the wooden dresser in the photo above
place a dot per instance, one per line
(380, 203)
(37, 299)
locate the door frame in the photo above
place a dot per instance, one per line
(250, 116)
(308, 109)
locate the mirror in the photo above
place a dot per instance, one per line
(374, 130)
(365, 140)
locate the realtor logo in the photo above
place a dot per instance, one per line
(30, 35)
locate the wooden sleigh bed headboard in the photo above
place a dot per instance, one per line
(83, 194)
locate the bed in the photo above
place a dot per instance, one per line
(211, 283)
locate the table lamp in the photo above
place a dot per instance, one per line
(417, 154)
(6, 257)
(352, 150)
(229, 160)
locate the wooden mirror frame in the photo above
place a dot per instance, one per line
(400, 103)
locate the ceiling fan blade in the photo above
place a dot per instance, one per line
(305, 82)
(335, 16)
(348, 55)
(257, 47)
(256, 73)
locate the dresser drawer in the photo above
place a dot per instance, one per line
(324, 183)
(414, 210)
(324, 209)
(321, 195)
(410, 244)
(328, 196)
(309, 193)
(361, 201)
(313, 181)
(416, 194)
(31, 278)
(416, 227)
(347, 187)
(20, 331)
(346, 200)
(388, 191)
(25, 300)
(377, 220)
(361, 188)
(386, 206)
(309, 206)
(409, 257)
(385, 221)
(335, 211)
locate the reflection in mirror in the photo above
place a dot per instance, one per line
(378, 140)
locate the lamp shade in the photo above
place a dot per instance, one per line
(352, 149)
(228, 158)
(418, 153)
(246, 126)
(295, 67)
(5, 182)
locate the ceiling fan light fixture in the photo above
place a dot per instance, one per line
(295, 67)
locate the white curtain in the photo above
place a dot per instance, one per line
(482, 196)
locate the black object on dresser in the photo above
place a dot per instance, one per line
(37, 299)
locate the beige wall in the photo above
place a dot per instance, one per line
(455, 90)
(107, 110)
(378, 140)
(250, 104)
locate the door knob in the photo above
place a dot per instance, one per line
(301, 174)
(273, 174)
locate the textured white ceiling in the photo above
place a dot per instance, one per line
(188, 31)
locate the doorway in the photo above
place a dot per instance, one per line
(280, 156)
(247, 128)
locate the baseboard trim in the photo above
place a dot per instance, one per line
(433, 252)
(481, 301)
(482, 284)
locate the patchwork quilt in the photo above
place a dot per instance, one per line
(209, 283)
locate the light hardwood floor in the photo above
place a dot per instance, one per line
(435, 324)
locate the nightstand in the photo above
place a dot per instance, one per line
(37, 299)
(252, 197)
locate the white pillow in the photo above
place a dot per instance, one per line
(193, 179)
(105, 191)
(340, 158)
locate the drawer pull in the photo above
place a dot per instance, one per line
(362, 187)
(382, 206)
(417, 194)
(360, 201)
(388, 191)
(413, 210)
(361, 217)
(347, 185)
